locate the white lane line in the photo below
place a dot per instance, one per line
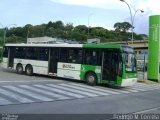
(120, 90)
(146, 88)
(152, 88)
(60, 91)
(52, 94)
(137, 89)
(5, 102)
(145, 85)
(131, 90)
(27, 81)
(15, 96)
(28, 93)
(148, 110)
(73, 90)
(84, 89)
(95, 88)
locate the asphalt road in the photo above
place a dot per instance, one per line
(146, 101)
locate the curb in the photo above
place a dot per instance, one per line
(147, 82)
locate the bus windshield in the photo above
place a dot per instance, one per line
(129, 59)
(130, 62)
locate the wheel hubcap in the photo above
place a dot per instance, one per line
(19, 69)
(28, 71)
(91, 79)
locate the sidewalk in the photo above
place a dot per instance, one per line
(142, 77)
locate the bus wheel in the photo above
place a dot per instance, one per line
(29, 70)
(91, 78)
(19, 68)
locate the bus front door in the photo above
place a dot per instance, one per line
(11, 57)
(53, 60)
(110, 66)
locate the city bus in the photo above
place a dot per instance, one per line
(93, 63)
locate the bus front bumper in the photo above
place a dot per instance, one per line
(128, 82)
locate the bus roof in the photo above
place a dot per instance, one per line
(102, 46)
(45, 45)
(67, 45)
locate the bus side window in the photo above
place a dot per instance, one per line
(31, 53)
(75, 56)
(91, 57)
(79, 56)
(42, 54)
(63, 55)
(20, 53)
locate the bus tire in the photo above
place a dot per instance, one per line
(29, 70)
(91, 79)
(19, 68)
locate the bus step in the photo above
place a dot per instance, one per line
(52, 74)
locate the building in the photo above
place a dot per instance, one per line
(41, 40)
(93, 40)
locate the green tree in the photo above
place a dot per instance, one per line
(124, 26)
(81, 29)
(118, 26)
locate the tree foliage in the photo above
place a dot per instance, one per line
(67, 31)
(124, 26)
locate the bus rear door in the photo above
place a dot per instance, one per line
(11, 56)
(53, 60)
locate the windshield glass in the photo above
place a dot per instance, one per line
(130, 62)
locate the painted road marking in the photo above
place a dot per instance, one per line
(5, 101)
(14, 96)
(18, 94)
(73, 90)
(28, 93)
(60, 91)
(84, 89)
(55, 95)
(95, 88)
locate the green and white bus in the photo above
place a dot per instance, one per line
(93, 63)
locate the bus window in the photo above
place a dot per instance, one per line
(91, 57)
(31, 53)
(75, 56)
(20, 53)
(42, 54)
(63, 55)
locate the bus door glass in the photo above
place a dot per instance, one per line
(111, 63)
(53, 60)
(11, 56)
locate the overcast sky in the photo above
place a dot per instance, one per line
(103, 13)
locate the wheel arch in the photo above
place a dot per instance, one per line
(28, 65)
(19, 64)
